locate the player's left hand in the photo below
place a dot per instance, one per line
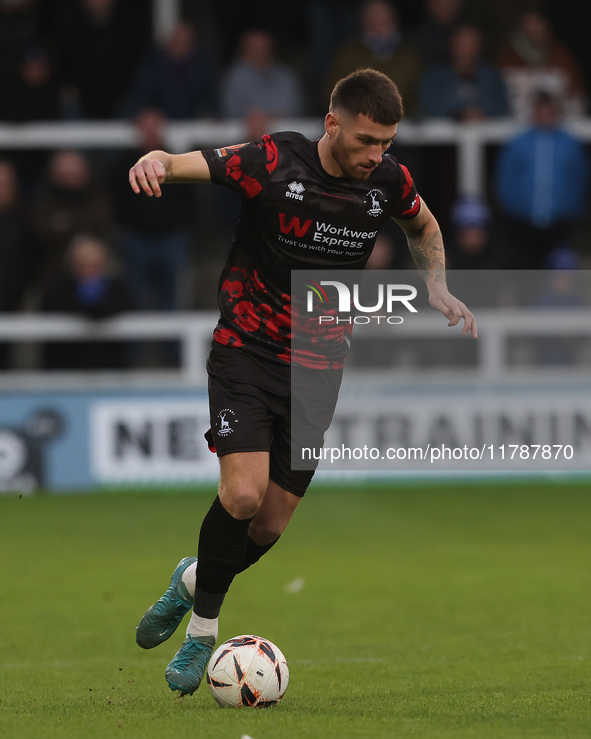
(453, 309)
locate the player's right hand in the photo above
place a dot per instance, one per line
(146, 176)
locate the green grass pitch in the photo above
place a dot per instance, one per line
(449, 610)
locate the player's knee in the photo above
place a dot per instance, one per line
(242, 502)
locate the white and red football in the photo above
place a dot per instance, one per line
(247, 671)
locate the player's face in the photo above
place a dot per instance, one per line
(357, 144)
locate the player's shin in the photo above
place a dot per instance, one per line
(223, 543)
(252, 555)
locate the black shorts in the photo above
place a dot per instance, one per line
(252, 410)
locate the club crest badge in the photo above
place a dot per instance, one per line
(226, 419)
(375, 209)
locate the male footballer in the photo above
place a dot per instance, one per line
(290, 186)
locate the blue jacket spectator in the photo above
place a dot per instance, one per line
(467, 88)
(541, 182)
(542, 176)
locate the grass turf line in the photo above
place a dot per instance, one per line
(447, 611)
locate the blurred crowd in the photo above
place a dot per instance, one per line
(73, 238)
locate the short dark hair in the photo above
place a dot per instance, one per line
(370, 93)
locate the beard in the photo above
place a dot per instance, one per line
(343, 159)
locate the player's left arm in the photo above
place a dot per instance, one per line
(425, 242)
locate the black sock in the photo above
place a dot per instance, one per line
(222, 547)
(209, 605)
(254, 552)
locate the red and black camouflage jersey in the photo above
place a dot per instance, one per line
(295, 216)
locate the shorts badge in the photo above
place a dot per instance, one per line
(226, 418)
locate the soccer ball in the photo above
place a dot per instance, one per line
(247, 671)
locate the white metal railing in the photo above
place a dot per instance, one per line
(496, 327)
(194, 329)
(470, 139)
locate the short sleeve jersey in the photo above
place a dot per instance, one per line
(294, 216)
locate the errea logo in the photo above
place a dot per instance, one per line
(295, 190)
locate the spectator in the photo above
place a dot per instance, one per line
(432, 37)
(329, 25)
(17, 31)
(88, 287)
(230, 19)
(381, 46)
(257, 80)
(154, 235)
(14, 246)
(541, 183)
(534, 59)
(471, 245)
(32, 94)
(68, 203)
(176, 78)
(467, 88)
(100, 44)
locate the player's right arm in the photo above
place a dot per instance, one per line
(158, 167)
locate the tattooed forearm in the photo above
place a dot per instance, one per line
(426, 247)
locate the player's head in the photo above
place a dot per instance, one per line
(370, 93)
(363, 117)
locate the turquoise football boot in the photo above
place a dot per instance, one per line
(188, 666)
(162, 619)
